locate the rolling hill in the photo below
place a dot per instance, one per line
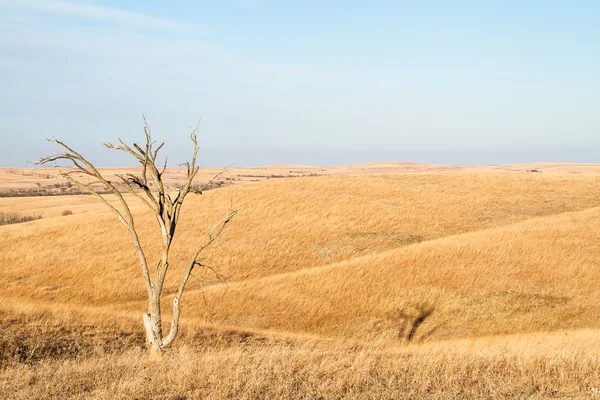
(417, 268)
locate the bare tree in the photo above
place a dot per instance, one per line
(150, 189)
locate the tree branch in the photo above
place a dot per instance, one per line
(125, 216)
(212, 236)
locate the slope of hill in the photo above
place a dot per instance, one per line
(426, 270)
(285, 226)
(542, 274)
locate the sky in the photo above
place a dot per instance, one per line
(303, 82)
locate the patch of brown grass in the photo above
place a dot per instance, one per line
(8, 218)
(27, 339)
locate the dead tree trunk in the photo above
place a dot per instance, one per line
(148, 188)
(153, 325)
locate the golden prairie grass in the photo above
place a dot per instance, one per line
(235, 365)
(540, 274)
(7, 218)
(285, 226)
(333, 273)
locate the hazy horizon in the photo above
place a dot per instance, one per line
(304, 83)
(211, 158)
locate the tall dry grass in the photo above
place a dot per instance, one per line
(540, 274)
(328, 276)
(8, 218)
(535, 366)
(285, 226)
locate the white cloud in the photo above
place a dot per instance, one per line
(189, 59)
(87, 11)
(72, 75)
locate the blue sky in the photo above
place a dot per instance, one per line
(311, 82)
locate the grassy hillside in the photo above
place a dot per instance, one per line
(538, 275)
(375, 283)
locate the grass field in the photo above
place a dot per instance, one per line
(409, 285)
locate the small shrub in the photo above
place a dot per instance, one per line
(67, 212)
(16, 218)
(210, 185)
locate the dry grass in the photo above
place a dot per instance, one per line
(217, 365)
(328, 277)
(8, 218)
(540, 274)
